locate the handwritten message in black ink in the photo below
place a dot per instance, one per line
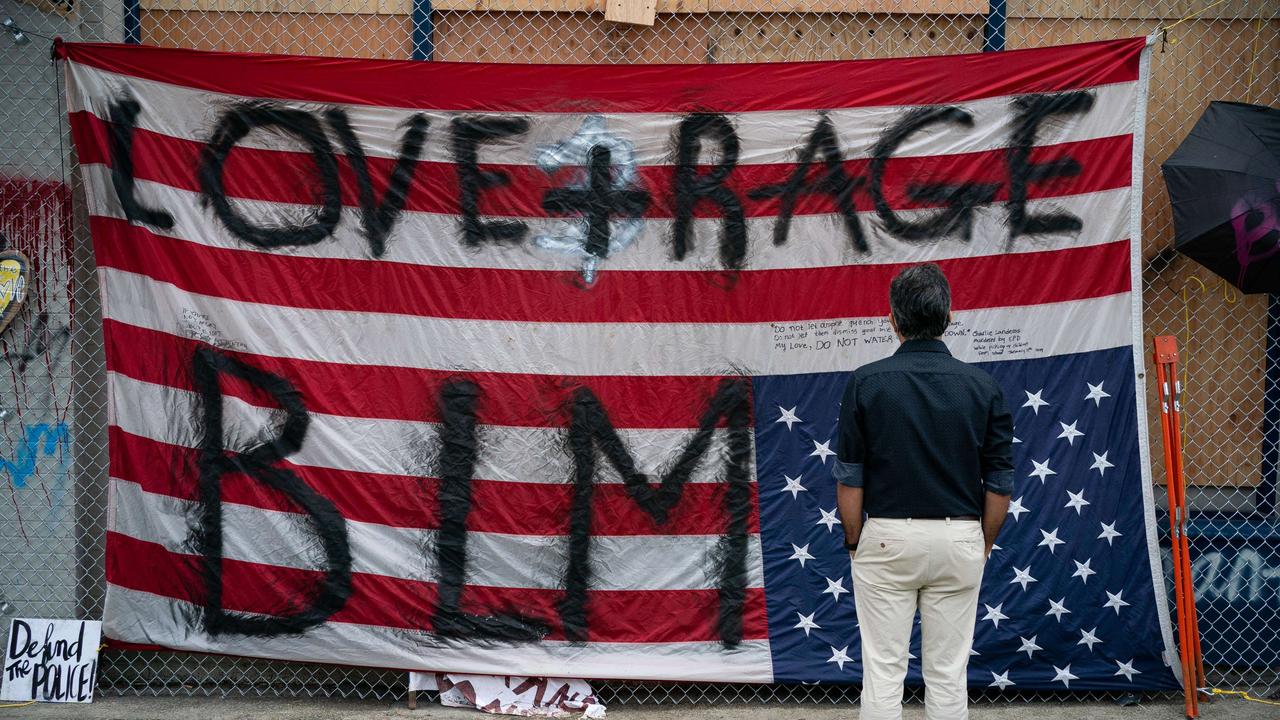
(51, 660)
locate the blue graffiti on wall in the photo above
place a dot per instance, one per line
(38, 440)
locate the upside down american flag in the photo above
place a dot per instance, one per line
(535, 369)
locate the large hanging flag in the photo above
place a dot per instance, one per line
(535, 369)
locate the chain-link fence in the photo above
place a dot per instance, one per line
(52, 393)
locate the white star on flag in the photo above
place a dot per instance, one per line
(1100, 463)
(1087, 637)
(1096, 393)
(788, 417)
(793, 486)
(994, 614)
(1017, 440)
(840, 657)
(1057, 609)
(1064, 675)
(1109, 532)
(1077, 501)
(1070, 432)
(1115, 601)
(1042, 470)
(1083, 571)
(835, 587)
(828, 518)
(1050, 539)
(1034, 401)
(801, 554)
(1023, 577)
(1016, 508)
(1126, 669)
(806, 623)
(1029, 646)
(822, 450)
(1000, 681)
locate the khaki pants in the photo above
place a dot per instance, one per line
(902, 565)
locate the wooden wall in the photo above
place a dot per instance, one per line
(1221, 334)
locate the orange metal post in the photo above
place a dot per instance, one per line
(1194, 619)
(1169, 391)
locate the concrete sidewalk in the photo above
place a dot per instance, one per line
(319, 709)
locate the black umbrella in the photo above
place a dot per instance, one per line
(1224, 183)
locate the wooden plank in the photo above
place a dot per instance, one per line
(630, 12)
(563, 6)
(311, 7)
(1168, 10)
(783, 38)
(568, 38)
(661, 7)
(896, 7)
(880, 7)
(367, 36)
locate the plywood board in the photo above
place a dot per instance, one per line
(568, 38)
(315, 7)
(631, 12)
(882, 7)
(782, 38)
(545, 37)
(405, 7)
(1168, 10)
(379, 36)
(562, 6)
(1222, 334)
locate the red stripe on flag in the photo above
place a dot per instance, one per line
(513, 508)
(400, 393)
(378, 600)
(291, 177)
(631, 88)
(640, 296)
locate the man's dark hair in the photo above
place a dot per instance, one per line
(920, 300)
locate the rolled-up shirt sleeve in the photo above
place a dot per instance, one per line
(849, 442)
(997, 447)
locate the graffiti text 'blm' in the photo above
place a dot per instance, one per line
(591, 436)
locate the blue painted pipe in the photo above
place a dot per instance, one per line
(133, 21)
(423, 44)
(993, 28)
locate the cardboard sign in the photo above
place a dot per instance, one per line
(51, 660)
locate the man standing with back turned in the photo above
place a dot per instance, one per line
(925, 451)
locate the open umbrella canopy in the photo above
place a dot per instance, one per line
(1224, 184)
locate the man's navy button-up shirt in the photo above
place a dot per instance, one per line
(924, 435)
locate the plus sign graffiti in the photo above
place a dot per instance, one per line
(605, 203)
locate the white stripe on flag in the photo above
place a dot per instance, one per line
(588, 348)
(269, 537)
(421, 238)
(141, 617)
(392, 447)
